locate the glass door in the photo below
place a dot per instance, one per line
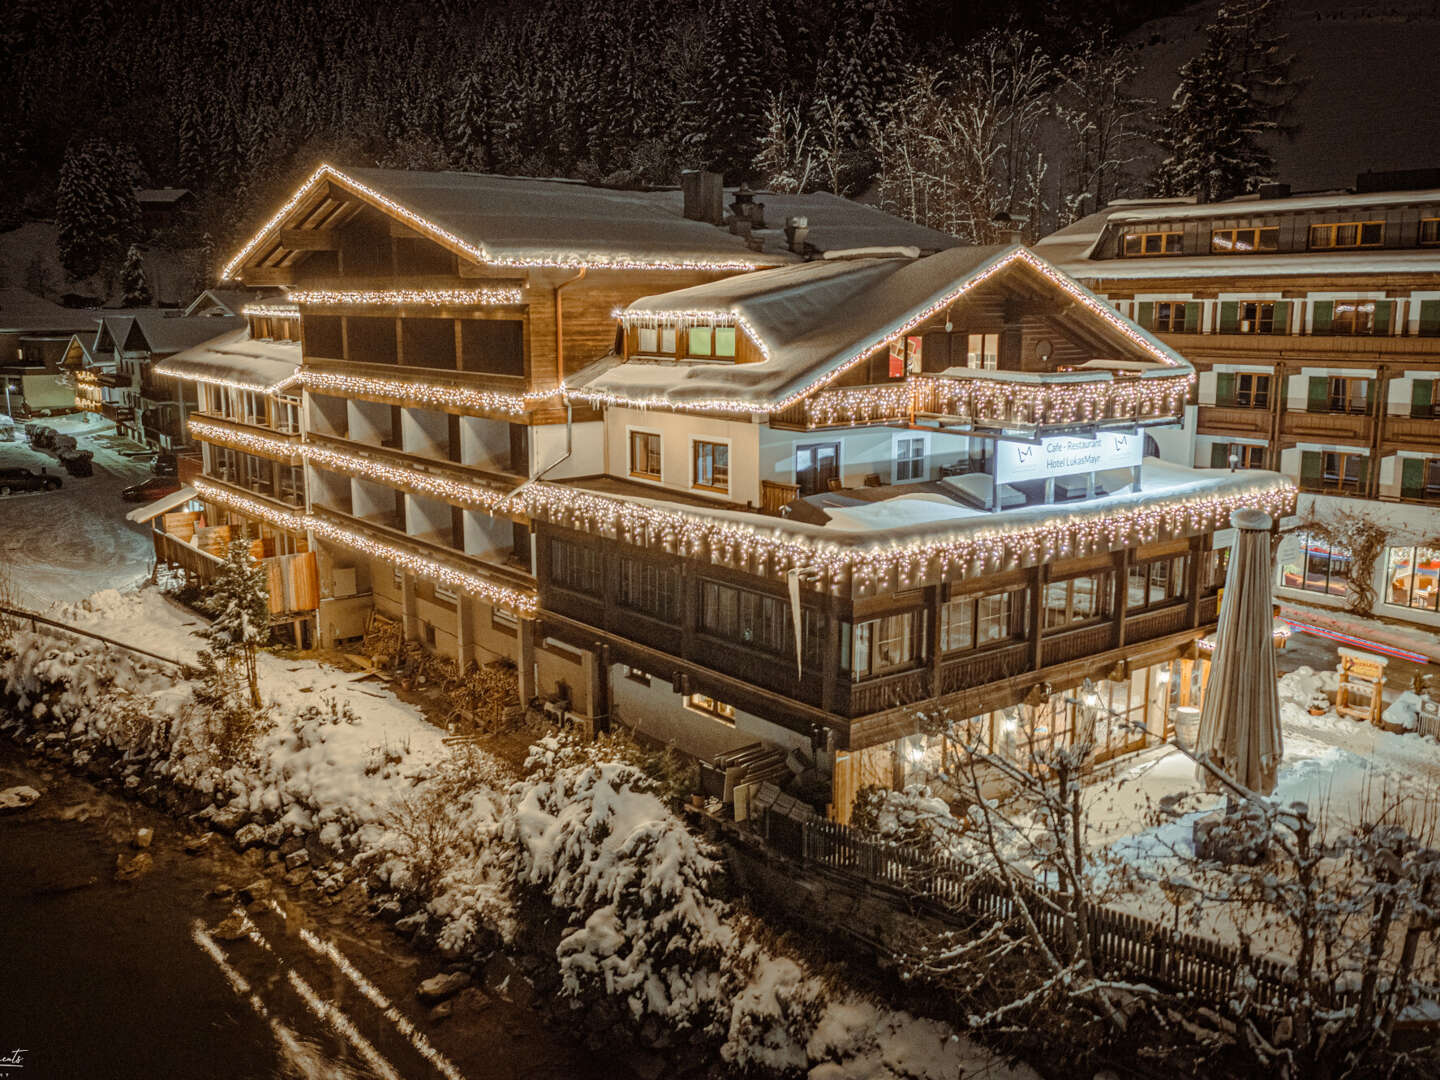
(816, 464)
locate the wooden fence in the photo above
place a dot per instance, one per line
(1126, 946)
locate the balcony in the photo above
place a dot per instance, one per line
(976, 669)
(1053, 402)
(248, 437)
(412, 472)
(1148, 625)
(1347, 427)
(1062, 646)
(1234, 420)
(883, 693)
(1414, 432)
(395, 384)
(847, 406)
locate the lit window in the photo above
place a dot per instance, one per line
(1077, 600)
(973, 622)
(1413, 577)
(909, 459)
(700, 341)
(983, 352)
(1348, 234)
(724, 341)
(703, 703)
(884, 644)
(1242, 241)
(1318, 566)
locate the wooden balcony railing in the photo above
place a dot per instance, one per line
(1060, 399)
(977, 669)
(847, 406)
(1421, 431)
(1073, 644)
(885, 692)
(1231, 420)
(773, 496)
(1326, 426)
(1209, 608)
(1149, 625)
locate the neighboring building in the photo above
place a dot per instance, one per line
(163, 208)
(247, 420)
(1314, 322)
(34, 338)
(127, 346)
(439, 315)
(965, 525)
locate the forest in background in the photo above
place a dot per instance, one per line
(944, 114)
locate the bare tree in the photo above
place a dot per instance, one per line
(1103, 123)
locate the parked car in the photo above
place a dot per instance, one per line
(165, 465)
(157, 487)
(15, 479)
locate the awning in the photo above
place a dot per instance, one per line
(159, 506)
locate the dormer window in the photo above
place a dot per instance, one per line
(656, 340)
(711, 342)
(1151, 243)
(1242, 241)
(1348, 234)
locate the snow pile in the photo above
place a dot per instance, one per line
(1304, 687)
(1404, 711)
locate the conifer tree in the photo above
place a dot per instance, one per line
(741, 45)
(133, 282)
(80, 212)
(238, 600)
(467, 127)
(189, 154)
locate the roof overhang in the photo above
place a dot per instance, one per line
(161, 505)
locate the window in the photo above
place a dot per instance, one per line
(503, 620)
(575, 567)
(751, 618)
(1412, 577)
(1430, 230)
(1333, 471)
(973, 622)
(1349, 395)
(725, 341)
(1317, 566)
(1078, 600)
(1353, 317)
(699, 341)
(1155, 583)
(645, 454)
(650, 589)
(909, 459)
(703, 703)
(655, 339)
(1216, 565)
(1242, 390)
(1170, 317)
(1239, 241)
(1419, 478)
(884, 644)
(1241, 455)
(983, 351)
(711, 461)
(1255, 317)
(1348, 234)
(1151, 243)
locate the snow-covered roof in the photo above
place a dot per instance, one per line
(525, 221)
(161, 505)
(21, 311)
(165, 333)
(231, 301)
(812, 321)
(1332, 264)
(1129, 213)
(236, 359)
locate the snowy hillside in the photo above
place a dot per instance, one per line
(171, 273)
(1368, 92)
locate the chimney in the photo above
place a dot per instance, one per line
(796, 229)
(1009, 228)
(703, 195)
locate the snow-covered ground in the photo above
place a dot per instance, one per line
(61, 546)
(349, 764)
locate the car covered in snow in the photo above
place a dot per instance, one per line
(17, 479)
(148, 490)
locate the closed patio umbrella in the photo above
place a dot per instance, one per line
(1240, 716)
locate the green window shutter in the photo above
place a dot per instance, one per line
(1318, 396)
(1311, 466)
(1420, 397)
(1412, 477)
(1219, 455)
(1229, 316)
(1224, 388)
(1281, 325)
(1192, 317)
(1364, 470)
(1323, 314)
(1146, 317)
(1430, 317)
(1384, 311)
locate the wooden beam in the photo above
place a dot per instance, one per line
(268, 275)
(308, 240)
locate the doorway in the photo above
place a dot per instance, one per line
(816, 464)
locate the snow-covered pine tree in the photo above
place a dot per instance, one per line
(238, 601)
(840, 80)
(80, 211)
(467, 127)
(134, 285)
(189, 152)
(1210, 132)
(742, 43)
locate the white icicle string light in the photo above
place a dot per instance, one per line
(408, 297)
(229, 384)
(274, 446)
(410, 479)
(518, 601)
(462, 397)
(271, 311)
(478, 254)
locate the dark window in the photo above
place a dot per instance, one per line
(575, 567)
(889, 643)
(1155, 583)
(493, 345)
(322, 336)
(1430, 231)
(370, 340)
(975, 622)
(1170, 318)
(429, 343)
(1078, 600)
(645, 454)
(758, 620)
(1152, 243)
(650, 589)
(712, 465)
(1348, 234)
(1241, 241)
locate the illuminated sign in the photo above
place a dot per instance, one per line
(1065, 456)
